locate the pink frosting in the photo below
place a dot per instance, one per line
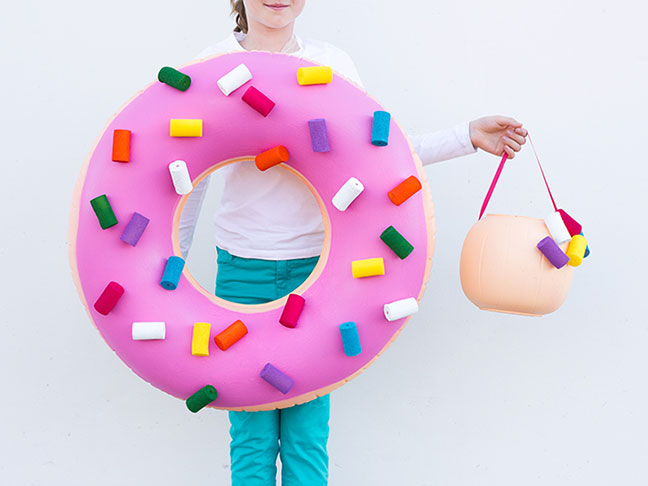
(311, 354)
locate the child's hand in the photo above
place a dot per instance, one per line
(498, 134)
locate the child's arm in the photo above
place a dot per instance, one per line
(498, 134)
(443, 145)
(493, 134)
(189, 216)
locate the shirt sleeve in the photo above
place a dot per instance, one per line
(189, 216)
(444, 144)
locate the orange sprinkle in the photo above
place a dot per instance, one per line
(403, 191)
(272, 157)
(121, 145)
(230, 335)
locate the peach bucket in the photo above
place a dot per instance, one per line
(502, 270)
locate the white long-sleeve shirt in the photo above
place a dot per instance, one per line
(272, 215)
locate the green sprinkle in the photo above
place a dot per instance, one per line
(104, 211)
(201, 398)
(174, 78)
(397, 242)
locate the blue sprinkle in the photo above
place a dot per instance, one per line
(350, 339)
(172, 272)
(380, 128)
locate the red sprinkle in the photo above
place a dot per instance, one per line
(257, 100)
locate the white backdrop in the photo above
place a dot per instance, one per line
(464, 397)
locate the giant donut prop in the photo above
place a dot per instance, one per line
(125, 255)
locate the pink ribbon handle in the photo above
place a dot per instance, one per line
(542, 172)
(492, 186)
(499, 172)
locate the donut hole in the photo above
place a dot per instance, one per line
(248, 214)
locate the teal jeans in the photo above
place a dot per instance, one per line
(298, 434)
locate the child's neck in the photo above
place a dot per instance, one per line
(262, 38)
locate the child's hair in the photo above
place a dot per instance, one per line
(238, 10)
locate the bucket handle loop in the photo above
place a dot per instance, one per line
(499, 172)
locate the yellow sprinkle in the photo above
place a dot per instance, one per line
(186, 128)
(368, 268)
(200, 342)
(314, 75)
(576, 250)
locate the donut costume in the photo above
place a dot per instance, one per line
(285, 113)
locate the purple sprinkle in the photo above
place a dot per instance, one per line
(552, 251)
(133, 231)
(276, 378)
(319, 135)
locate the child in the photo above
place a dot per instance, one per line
(267, 246)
